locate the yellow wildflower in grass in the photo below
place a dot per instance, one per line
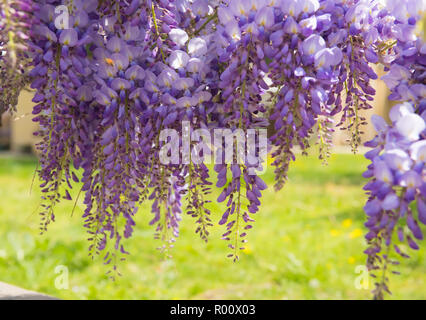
(334, 232)
(351, 260)
(347, 223)
(285, 238)
(247, 250)
(356, 233)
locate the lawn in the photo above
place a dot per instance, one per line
(306, 244)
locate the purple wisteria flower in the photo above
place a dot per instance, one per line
(16, 21)
(118, 76)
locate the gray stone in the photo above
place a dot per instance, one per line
(9, 292)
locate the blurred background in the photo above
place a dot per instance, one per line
(307, 241)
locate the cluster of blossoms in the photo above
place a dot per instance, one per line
(15, 26)
(107, 84)
(398, 180)
(111, 76)
(398, 152)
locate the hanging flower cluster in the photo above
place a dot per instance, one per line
(15, 27)
(398, 170)
(114, 79)
(398, 185)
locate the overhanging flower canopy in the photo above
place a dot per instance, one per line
(109, 76)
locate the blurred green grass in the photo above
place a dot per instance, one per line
(306, 244)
